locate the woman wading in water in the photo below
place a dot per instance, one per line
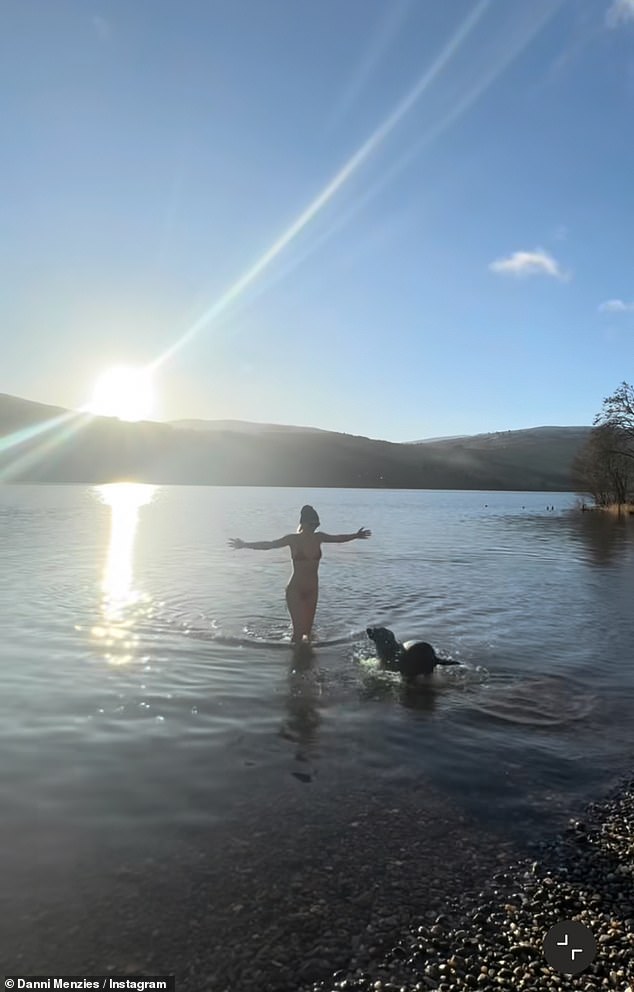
(303, 586)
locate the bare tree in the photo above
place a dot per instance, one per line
(586, 477)
(618, 411)
(604, 468)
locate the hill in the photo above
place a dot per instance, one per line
(83, 449)
(240, 427)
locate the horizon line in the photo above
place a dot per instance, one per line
(298, 427)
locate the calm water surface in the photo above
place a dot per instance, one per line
(146, 682)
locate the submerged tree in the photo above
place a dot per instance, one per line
(604, 467)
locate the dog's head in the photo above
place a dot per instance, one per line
(387, 647)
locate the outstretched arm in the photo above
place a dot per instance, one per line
(361, 534)
(282, 542)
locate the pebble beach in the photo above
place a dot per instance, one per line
(493, 939)
(386, 898)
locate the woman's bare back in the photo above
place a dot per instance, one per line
(306, 548)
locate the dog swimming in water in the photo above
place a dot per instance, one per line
(411, 659)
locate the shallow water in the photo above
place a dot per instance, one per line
(147, 682)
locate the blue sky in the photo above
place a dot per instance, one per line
(400, 219)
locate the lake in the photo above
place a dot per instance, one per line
(149, 692)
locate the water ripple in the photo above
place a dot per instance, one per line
(154, 683)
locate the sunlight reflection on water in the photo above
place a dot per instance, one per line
(146, 678)
(122, 603)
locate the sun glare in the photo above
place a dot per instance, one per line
(123, 392)
(123, 605)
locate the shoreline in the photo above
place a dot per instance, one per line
(613, 510)
(493, 939)
(341, 892)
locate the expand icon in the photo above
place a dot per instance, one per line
(569, 947)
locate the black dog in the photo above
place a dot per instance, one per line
(410, 659)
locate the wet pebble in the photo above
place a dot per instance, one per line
(493, 939)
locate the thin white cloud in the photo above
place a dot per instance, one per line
(529, 263)
(616, 306)
(583, 32)
(102, 27)
(392, 21)
(620, 12)
(498, 58)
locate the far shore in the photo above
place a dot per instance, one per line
(614, 509)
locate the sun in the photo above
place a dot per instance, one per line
(123, 392)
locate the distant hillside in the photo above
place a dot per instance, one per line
(499, 439)
(16, 413)
(87, 449)
(240, 426)
(449, 437)
(540, 451)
